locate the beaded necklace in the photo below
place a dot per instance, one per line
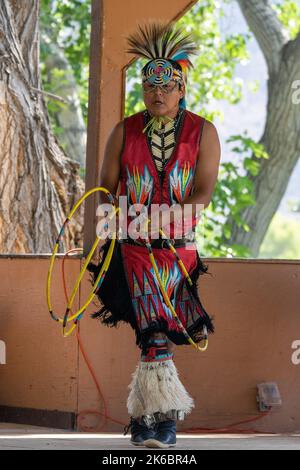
(162, 137)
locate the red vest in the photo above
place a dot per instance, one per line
(140, 179)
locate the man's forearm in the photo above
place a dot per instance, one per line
(189, 208)
(198, 200)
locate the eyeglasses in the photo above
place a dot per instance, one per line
(168, 88)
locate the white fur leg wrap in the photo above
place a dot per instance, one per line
(156, 387)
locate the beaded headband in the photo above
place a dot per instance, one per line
(168, 49)
(160, 72)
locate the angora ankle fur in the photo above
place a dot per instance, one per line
(156, 387)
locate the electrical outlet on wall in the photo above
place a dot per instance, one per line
(268, 395)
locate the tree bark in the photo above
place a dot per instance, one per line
(69, 117)
(38, 184)
(281, 136)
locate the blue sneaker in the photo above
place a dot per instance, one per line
(139, 432)
(165, 435)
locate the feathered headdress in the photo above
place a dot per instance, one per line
(168, 48)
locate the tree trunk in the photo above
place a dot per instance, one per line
(38, 183)
(69, 116)
(281, 136)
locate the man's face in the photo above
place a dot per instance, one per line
(159, 103)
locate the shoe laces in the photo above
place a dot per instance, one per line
(128, 426)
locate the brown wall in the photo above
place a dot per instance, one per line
(256, 309)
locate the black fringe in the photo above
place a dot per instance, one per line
(114, 292)
(195, 331)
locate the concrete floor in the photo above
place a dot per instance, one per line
(18, 436)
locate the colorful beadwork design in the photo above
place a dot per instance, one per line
(170, 276)
(158, 72)
(148, 301)
(157, 351)
(180, 182)
(149, 306)
(139, 186)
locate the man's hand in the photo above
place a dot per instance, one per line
(107, 222)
